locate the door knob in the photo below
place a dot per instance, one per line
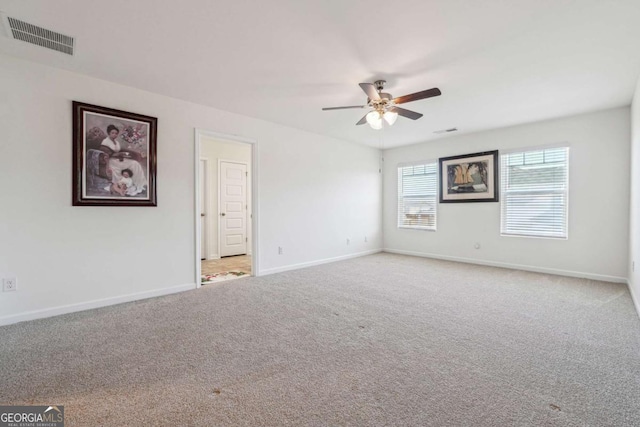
(222, 214)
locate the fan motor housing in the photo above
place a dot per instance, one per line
(383, 97)
(381, 104)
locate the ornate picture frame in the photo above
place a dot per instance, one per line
(469, 178)
(114, 157)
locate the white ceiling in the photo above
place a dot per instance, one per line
(497, 62)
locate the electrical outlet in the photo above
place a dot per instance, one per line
(10, 284)
(348, 241)
(280, 251)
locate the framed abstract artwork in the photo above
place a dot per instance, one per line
(469, 178)
(114, 157)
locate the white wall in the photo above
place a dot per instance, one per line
(634, 215)
(322, 194)
(598, 201)
(314, 193)
(214, 150)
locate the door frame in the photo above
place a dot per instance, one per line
(220, 161)
(255, 199)
(204, 207)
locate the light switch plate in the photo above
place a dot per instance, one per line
(9, 284)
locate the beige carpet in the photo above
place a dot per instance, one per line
(383, 340)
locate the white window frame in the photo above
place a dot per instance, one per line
(401, 197)
(504, 192)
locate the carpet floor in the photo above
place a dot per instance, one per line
(382, 340)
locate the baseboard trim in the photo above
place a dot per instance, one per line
(634, 297)
(558, 272)
(213, 256)
(317, 262)
(72, 308)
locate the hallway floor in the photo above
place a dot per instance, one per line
(233, 263)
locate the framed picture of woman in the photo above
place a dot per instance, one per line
(114, 157)
(469, 178)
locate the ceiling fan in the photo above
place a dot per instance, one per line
(384, 107)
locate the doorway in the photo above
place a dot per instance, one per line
(225, 199)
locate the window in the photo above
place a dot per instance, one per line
(417, 195)
(534, 193)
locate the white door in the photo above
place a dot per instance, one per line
(203, 210)
(233, 208)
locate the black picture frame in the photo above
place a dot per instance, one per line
(469, 178)
(113, 168)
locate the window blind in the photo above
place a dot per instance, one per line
(534, 193)
(417, 196)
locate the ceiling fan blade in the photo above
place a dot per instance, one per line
(343, 108)
(418, 95)
(370, 90)
(362, 120)
(406, 113)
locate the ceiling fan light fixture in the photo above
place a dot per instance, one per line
(374, 118)
(383, 107)
(390, 117)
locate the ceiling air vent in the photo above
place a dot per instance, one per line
(39, 36)
(447, 130)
